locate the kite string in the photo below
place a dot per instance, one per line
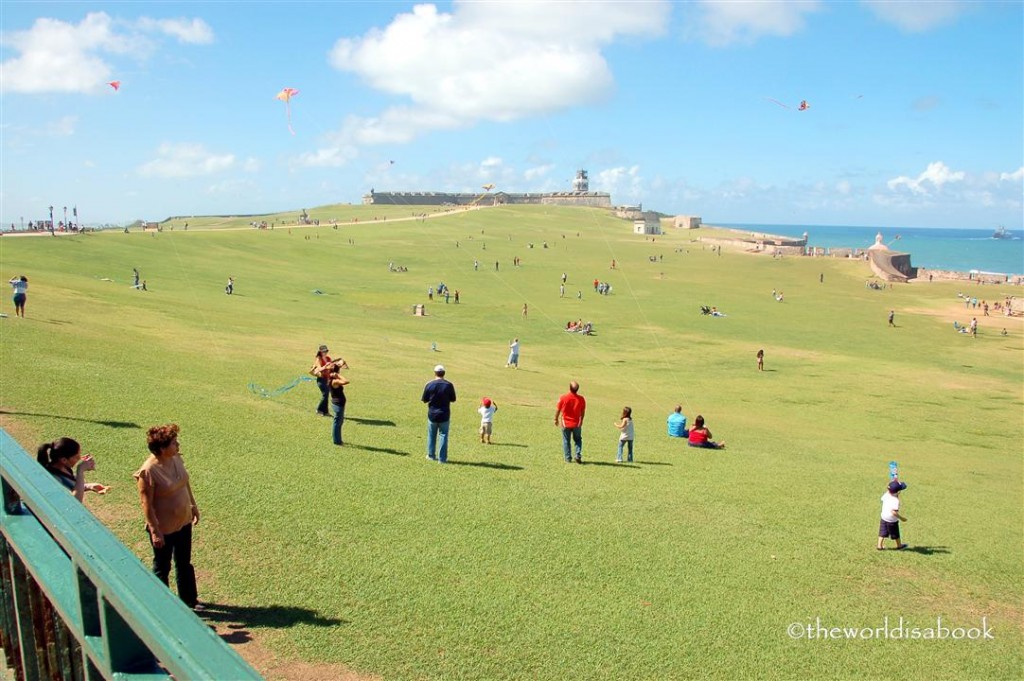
(447, 255)
(662, 351)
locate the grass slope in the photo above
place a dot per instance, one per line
(509, 564)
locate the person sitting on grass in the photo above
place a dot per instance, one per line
(677, 423)
(889, 527)
(701, 436)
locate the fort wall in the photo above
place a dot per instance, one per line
(593, 199)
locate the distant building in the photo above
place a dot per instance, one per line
(687, 221)
(579, 196)
(650, 223)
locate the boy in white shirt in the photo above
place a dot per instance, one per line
(889, 527)
(486, 410)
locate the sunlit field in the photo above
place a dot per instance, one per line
(509, 563)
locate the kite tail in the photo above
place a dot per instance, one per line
(288, 110)
(264, 393)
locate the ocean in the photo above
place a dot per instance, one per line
(961, 250)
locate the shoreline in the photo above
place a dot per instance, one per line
(761, 243)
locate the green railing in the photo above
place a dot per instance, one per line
(75, 603)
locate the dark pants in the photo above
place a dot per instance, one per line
(325, 392)
(339, 421)
(179, 546)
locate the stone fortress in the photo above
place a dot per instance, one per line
(579, 196)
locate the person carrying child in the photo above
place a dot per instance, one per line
(625, 426)
(889, 527)
(487, 409)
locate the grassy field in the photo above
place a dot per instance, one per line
(508, 563)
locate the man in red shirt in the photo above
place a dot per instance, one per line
(572, 408)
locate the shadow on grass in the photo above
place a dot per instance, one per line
(485, 464)
(381, 450)
(655, 463)
(239, 618)
(508, 444)
(610, 463)
(370, 422)
(109, 424)
(927, 550)
(58, 322)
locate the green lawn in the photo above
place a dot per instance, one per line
(510, 564)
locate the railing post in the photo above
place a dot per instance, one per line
(8, 619)
(23, 615)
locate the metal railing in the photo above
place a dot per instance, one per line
(75, 603)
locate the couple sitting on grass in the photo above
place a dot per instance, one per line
(580, 326)
(698, 436)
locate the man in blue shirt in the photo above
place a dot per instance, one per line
(439, 395)
(677, 423)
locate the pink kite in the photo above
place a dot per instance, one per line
(285, 96)
(116, 84)
(804, 106)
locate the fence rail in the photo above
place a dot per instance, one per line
(75, 603)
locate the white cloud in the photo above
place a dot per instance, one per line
(620, 182)
(231, 187)
(195, 31)
(935, 175)
(185, 160)
(916, 16)
(63, 126)
(723, 22)
(940, 188)
(330, 157)
(57, 56)
(1015, 176)
(926, 103)
(494, 61)
(537, 172)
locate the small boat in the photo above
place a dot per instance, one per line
(1001, 233)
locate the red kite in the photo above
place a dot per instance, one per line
(116, 84)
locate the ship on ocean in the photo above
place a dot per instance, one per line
(1001, 233)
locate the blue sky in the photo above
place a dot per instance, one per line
(916, 108)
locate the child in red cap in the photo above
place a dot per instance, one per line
(487, 409)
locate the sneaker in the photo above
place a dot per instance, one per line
(902, 547)
(579, 460)
(432, 458)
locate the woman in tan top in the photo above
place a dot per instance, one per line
(170, 510)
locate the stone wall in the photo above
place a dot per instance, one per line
(594, 199)
(924, 274)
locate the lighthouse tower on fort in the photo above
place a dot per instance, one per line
(581, 183)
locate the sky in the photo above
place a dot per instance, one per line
(915, 118)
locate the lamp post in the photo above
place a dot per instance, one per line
(65, 218)
(23, 223)
(51, 219)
